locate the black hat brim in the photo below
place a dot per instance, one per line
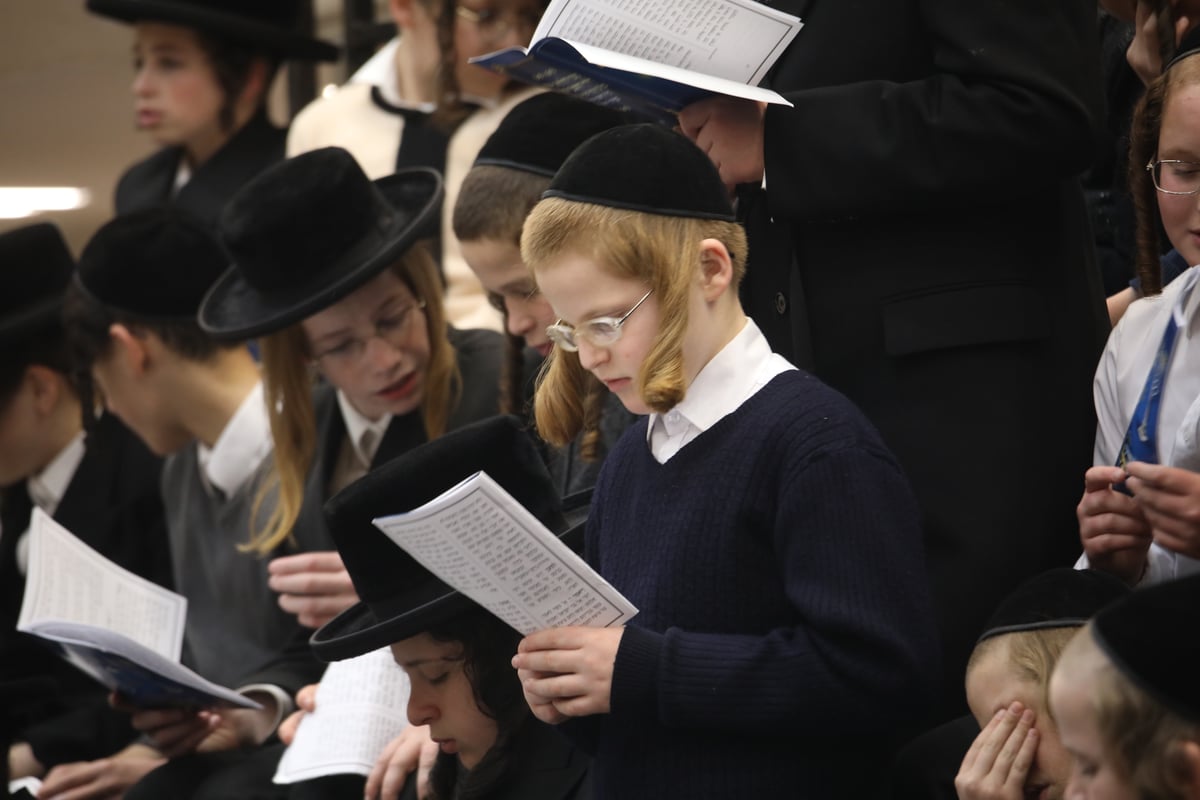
(357, 630)
(233, 309)
(257, 34)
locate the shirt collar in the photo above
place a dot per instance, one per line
(735, 373)
(357, 428)
(244, 443)
(46, 489)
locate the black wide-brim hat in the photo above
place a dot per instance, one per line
(35, 268)
(266, 25)
(308, 231)
(399, 597)
(1150, 637)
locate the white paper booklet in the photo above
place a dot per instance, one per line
(118, 627)
(361, 706)
(485, 544)
(652, 56)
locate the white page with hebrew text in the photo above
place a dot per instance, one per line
(738, 40)
(485, 544)
(68, 581)
(362, 704)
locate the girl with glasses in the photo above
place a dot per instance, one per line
(757, 521)
(1137, 521)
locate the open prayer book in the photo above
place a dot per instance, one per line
(361, 706)
(652, 57)
(485, 544)
(123, 630)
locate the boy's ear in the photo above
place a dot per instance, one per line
(258, 81)
(130, 349)
(47, 386)
(716, 269)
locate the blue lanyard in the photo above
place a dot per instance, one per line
(1141, 437)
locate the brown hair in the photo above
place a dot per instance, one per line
(661, 250)
(494, 201)
(1140, 735)
(1143, 149)
(288, 384)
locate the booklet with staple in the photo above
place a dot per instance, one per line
(485, 544)
(118, 627)
(652, 57)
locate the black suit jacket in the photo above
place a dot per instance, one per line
(922, 245)
(114, 505)
(148, 183)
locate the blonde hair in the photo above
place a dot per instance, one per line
(1032, 654)
(1140, 735)
(287, 388)
(664, 252)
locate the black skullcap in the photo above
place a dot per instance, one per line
(155, 264)
(399, 597)
(1058, 598)
(1150, 636)
(35, 268)
(539, 134)
(645, 167)
(1188, 46)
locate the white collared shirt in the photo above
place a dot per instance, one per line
(244, 443)
(1120, 377)
(46, 489)
(742, 367)
(365, 435)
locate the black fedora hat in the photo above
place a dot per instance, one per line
(307, 232)
(35, 268)
(400, 598)
(268, 25)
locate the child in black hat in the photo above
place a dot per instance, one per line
(756, 519)
(131, 315)
(516, 164)
(1126, 699)
(456, 654)
(327, 269)
(101, 484)
(203, 69)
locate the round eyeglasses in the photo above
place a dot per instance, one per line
(1175, 177)
(494, 25)
(598, 332)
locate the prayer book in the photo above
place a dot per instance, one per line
(651, 57)
(485, 544)
(118, 627)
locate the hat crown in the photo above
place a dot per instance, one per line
(35, 267)
(645, 167)
(400, 598)
(157, 264)
(298, 217)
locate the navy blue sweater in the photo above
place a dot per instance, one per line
(785, 629)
